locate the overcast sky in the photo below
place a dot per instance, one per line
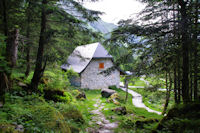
(115, 10)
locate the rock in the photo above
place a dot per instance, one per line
(81, 96)
(20, 128)
(107, 93)
(111, 126)
(114, 98)
(116, 102)
(23, 85)
(1, 104)
(120, 110)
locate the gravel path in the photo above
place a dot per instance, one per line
(102, 124)
(137, 101)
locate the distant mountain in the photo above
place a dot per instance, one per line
(102, 26)
(99, 26)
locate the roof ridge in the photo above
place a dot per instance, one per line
(87, 44)
(96, 49)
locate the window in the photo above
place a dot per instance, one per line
(101, 65)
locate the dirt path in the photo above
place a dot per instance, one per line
(102, 124)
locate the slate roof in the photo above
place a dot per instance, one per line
(82, 55)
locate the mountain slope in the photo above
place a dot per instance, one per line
(102, 26)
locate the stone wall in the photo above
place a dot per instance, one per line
(90, 77)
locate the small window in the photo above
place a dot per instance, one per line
(101, 65)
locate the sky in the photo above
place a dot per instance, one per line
(115, 10)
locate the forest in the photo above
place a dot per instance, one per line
(159, 52)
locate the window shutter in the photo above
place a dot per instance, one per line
(101, 65)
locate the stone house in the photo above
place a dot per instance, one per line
(89, 61)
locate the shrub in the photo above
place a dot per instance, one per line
(56, 79)
(57, 95)
(70, 113)
(33, 113)
(71, 73)
(127, 123)
(48, 119)
(67, 97)
(75, 92)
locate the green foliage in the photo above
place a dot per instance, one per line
(113, 87)
(33, 113)
(136, 82)
(71, 73)
(56, 79)
(70, 113)
(75, 92)
(184, 117)
(3, 63)
(156, 82)
(67, 97)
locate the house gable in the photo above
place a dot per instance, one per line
(92, 78)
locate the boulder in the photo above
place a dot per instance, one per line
(1, 104)
(120, 110)
(20, 128)
(81, 96)
(114, 99)
(23, 85)
(107, 93)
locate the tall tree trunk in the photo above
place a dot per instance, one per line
(3, 76)
(185, 50)
(175, 85)
(195, 53)
(179, 80)
(3, 87)
(175, 63)
(13, 51)
(126, 86)
(167, 92)
(28, 40)
(5, 24)
(38, 67)
(191, 76)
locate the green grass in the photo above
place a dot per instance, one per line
(136, 82)
(156, 81)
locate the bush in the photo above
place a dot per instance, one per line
(33, 113)
(56, 79)
(71, 73)
(67, 97)
(70, 113)
(57, 95)
(47, 119)
(127, 123)
(75, 92)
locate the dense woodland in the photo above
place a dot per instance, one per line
(37, 36)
